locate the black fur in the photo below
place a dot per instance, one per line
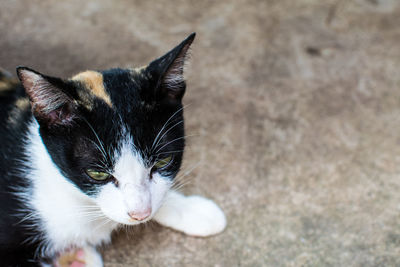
(141, 103)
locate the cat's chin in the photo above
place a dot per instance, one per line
(130, 221)
(134, 222)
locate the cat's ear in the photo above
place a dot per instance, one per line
(50, 104)
(168, 69)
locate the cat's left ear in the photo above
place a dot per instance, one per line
(168, 69)
(51, 105)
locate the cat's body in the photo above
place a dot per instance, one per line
(80, 157)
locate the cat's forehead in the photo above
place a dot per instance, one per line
(122, 104)
(93, 81)
(118, 88)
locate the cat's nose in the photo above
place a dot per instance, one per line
(140, 215)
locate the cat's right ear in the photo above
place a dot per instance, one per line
(50, 104)
(168, 71)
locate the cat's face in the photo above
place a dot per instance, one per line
(118, 134)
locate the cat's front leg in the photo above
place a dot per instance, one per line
(193, 215)
(82, 257)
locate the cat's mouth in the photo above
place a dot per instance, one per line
(130, 218)
(131, 221)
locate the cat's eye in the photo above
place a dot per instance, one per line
(97, 175)
(162, 163)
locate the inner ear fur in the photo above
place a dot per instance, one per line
(50, 104)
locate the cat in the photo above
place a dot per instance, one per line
(81, 157)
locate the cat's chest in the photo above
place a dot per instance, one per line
(68, 220)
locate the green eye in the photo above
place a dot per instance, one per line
(96, 175)
(163, 163)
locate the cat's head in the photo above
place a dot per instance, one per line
(118, 134)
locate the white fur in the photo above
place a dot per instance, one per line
(92, 257)
(58, 204)
(136, 193)
(61, 210)
(193, 215)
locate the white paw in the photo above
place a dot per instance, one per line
(202, 217)
(193, 215)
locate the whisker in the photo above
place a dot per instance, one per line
(175, 151)
(165, 124)
(104, 223)
(98, 218)
(179, 182)
(168, 152)
(88, 206)
(102, 150)
(169, 129)
(176, 139)
(97, 146)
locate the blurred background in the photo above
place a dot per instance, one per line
(295, 108)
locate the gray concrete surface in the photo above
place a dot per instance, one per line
(296, 110)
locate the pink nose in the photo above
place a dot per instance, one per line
(140, 215)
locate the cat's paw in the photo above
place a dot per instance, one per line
(83, 257)
(193, 215)
(202, 217)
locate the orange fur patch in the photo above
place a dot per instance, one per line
(68, 258)
(7, 83)
(22, 103)
(94, 82)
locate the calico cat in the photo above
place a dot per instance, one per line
(82, 156)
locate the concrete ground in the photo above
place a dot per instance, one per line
(296, 110)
